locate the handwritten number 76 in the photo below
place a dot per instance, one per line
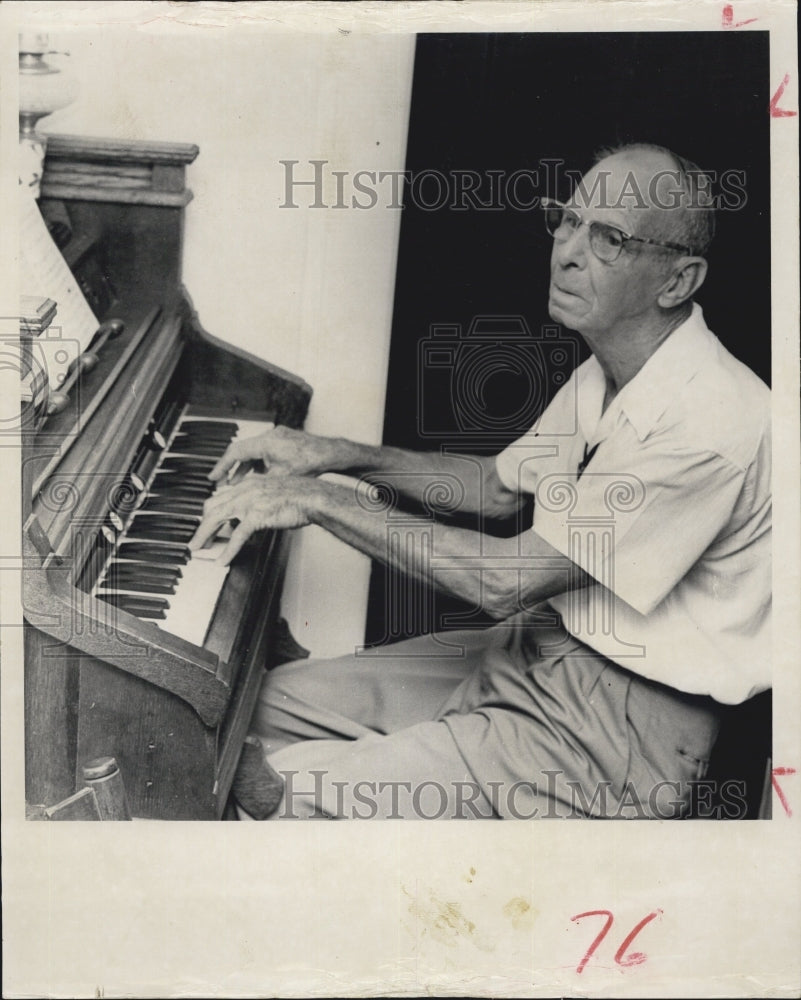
(635, 958)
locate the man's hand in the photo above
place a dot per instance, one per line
(257, 502)
(283, 451)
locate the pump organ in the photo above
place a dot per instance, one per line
(132, 648)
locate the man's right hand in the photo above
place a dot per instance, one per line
(282, 450)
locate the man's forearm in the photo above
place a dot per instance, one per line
(443, 483)
(502, 576)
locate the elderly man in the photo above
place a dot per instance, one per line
(636, 603)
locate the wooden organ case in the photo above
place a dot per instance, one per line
(99, 679)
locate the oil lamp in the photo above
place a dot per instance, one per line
(43, 88)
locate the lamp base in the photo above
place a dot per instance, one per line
(32, 148)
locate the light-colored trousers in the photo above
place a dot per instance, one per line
(515, 721)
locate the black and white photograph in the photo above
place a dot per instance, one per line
(402, 396)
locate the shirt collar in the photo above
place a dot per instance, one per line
(646, 397)
(590, 389)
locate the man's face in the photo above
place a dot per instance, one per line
(587, 294)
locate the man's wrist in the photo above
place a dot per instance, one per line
(316, 498)
(352, 456)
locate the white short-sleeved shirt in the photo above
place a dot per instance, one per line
(672, 514)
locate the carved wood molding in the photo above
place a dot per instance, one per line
(126, 171)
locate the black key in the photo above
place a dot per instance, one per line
(146, 569)
(157, 603)
(199, 475)
(173, 505)
(141, 585)
(142, 607)
(144, 586)
(176, 480)
(192, 491)
(165, 534)
(223, 426)
(163, 520)
(152, 552)
(189, 434)
(184, 463)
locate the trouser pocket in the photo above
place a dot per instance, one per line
(671, 738)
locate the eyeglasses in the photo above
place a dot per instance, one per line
(606, 242)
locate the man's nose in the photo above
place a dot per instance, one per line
(573, 251)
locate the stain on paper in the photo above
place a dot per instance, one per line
(521, 913)
(445, 923)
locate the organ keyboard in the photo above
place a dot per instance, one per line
(148, 570)
(136, 649)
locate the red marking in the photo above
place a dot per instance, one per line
(636, 957)
(621, 958)
(781, 772)
(775, 110)
(602, 934)
(728, 18)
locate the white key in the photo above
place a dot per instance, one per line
(195, 599)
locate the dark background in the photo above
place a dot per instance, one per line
(506, 102)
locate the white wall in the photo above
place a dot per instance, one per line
(308, 289)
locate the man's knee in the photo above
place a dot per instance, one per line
(286, 684)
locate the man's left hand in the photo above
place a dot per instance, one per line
(257, 502)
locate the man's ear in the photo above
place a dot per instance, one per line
(685, 279)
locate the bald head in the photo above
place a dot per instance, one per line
(670, 195)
